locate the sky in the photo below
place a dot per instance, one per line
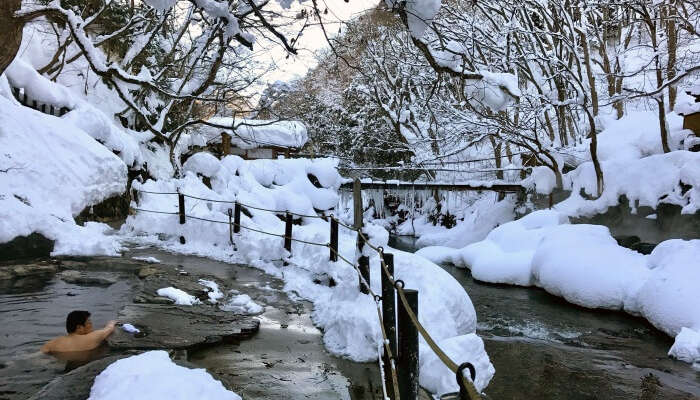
(288, 66)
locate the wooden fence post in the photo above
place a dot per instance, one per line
(408, 348)
(225, 144)
(389, 320)
(334, 239)
(357, 203)
(181, 210)
(52, 110)
(288, 233)
(237, 217)
(364, 272)
(230, 225)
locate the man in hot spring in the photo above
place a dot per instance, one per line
(81, 336)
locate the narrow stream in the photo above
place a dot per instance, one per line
(545, 348)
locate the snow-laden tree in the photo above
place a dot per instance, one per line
(172, 63)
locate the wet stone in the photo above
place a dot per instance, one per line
(180, 327)
(90, 279)
(147, 271)
(26, 270)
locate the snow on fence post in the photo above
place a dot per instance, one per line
(237, 217)
(334, 239)
(389, 319)
(408, 348)
(288, 232)
(363, 264)
(181, 211)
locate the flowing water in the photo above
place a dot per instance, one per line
(545, 348)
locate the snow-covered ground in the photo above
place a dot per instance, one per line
(347, 317)
(585, 265)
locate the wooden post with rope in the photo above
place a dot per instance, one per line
(237, 217)
(388, 319)
(181, 211)
(230, 226)
(288, 232)
(408, 347)
(363, 264)
(334, 239)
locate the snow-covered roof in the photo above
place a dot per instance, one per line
(690, 102)
(250, 133)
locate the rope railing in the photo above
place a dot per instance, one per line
(233, 202)
(467, 387)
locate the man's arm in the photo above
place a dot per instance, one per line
(100, 335)
(47, 347)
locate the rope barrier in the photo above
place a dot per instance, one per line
(233, 202)
(451, 365)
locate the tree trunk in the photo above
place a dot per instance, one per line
(672, 38)
(10, 32)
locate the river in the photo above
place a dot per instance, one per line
(545, 348)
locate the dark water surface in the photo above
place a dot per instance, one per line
(33, 311)
(545, 348)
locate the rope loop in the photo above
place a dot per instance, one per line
(377, 298)
(396, 284)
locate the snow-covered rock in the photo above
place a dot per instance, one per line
(242, 304)
(152, 375)
(585, 265)
(179, 296)
(54, 170)
(686, 347)
(670, 298)
(438, 379)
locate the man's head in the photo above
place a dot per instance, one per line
(78, 322)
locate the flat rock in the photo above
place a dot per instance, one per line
(88, 278)
(147, 271)
(26, 270)
(179, 327)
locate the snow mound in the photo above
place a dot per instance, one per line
(686, 346)
(54, 170)
(152, 375)
(585, 265)
(242, 304)
(202, 163)
(179, 296)
(214, 291)
(672, 178)
(670, 298)
(438, 379)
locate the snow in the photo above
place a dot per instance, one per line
(419, 14)
(202, 163)
(214, 292)
(584, 265)
(180, 297)
(647, 181)
(686, 347)
(347, 318)
(150, 260)
(161, 5)
(130, 328)
(670, 299)
(438, 379)
(54, 171)
(242, 304)
(152, 375)
(251, 134)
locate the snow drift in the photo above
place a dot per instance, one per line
(585, 265)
